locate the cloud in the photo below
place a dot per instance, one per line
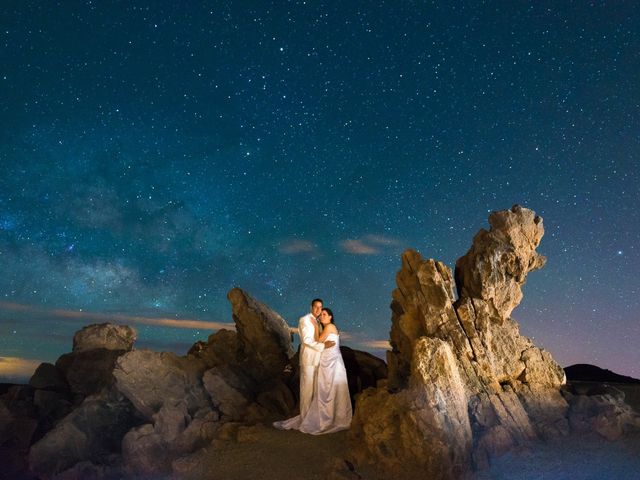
(14, 367)
(112, 317)
(375, 344)
(293, 247)
(358, 247)
(369, 244)
(16, 307)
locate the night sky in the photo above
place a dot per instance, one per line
(155, 154)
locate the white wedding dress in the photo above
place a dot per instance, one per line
(330, 409)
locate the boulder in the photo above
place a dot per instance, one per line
(51, 406)
(200, 432)
(144, 452)
(19, 400)
(147, 449)
(48, 377)
(279, 400)
(151, 448)
(421, 305)
(16, 433)
(601, 409)
(92, 432)
(221, 348)
(88, 368)
(152, 379)
(230, 390)
(88, 371)
(106, 336)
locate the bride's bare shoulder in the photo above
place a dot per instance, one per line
(331, 328)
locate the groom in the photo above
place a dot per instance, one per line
(310, 351)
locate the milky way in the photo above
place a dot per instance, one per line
(153, 155)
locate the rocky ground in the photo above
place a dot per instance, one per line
(576, 457)
(278, 455)
(270, 454)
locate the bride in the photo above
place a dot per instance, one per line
(330, 409)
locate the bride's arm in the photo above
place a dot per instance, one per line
(325, 333)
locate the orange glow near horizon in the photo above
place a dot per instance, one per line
(116, 317)
(17, 367)
(376, 344)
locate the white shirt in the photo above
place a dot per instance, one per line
(310, 349)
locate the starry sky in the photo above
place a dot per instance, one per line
(155, 154)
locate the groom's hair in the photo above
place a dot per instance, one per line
(316, 300)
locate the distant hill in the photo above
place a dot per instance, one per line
(583, 372)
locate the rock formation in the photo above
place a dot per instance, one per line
(106, 410)
(92, 432)
(96, 348)
(185, 400)
(463, 384)
(90, 428)
(104, 336)
(264, 338)
(51, 410)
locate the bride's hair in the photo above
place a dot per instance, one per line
(328, 310)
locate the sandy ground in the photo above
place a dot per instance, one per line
(264, 453)
(269, 454)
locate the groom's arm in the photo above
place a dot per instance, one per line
(308, 335)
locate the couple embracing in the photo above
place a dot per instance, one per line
(325, 405)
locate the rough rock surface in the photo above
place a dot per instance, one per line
(230, 390)
(49, 377)
(17, 428)
(219, 349)
(496, 266)
(89, 371)
(92, 432)
(107, 411)
(463, 384)
(234, 376)
(105, 335)
(422, 431)
(88, 368)
(151, 448)
(600, 409)
(363, 370)
(264, 338)
(151, 380)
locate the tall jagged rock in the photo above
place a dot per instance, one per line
(264, 338)
(496, 266)
(463, 383)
